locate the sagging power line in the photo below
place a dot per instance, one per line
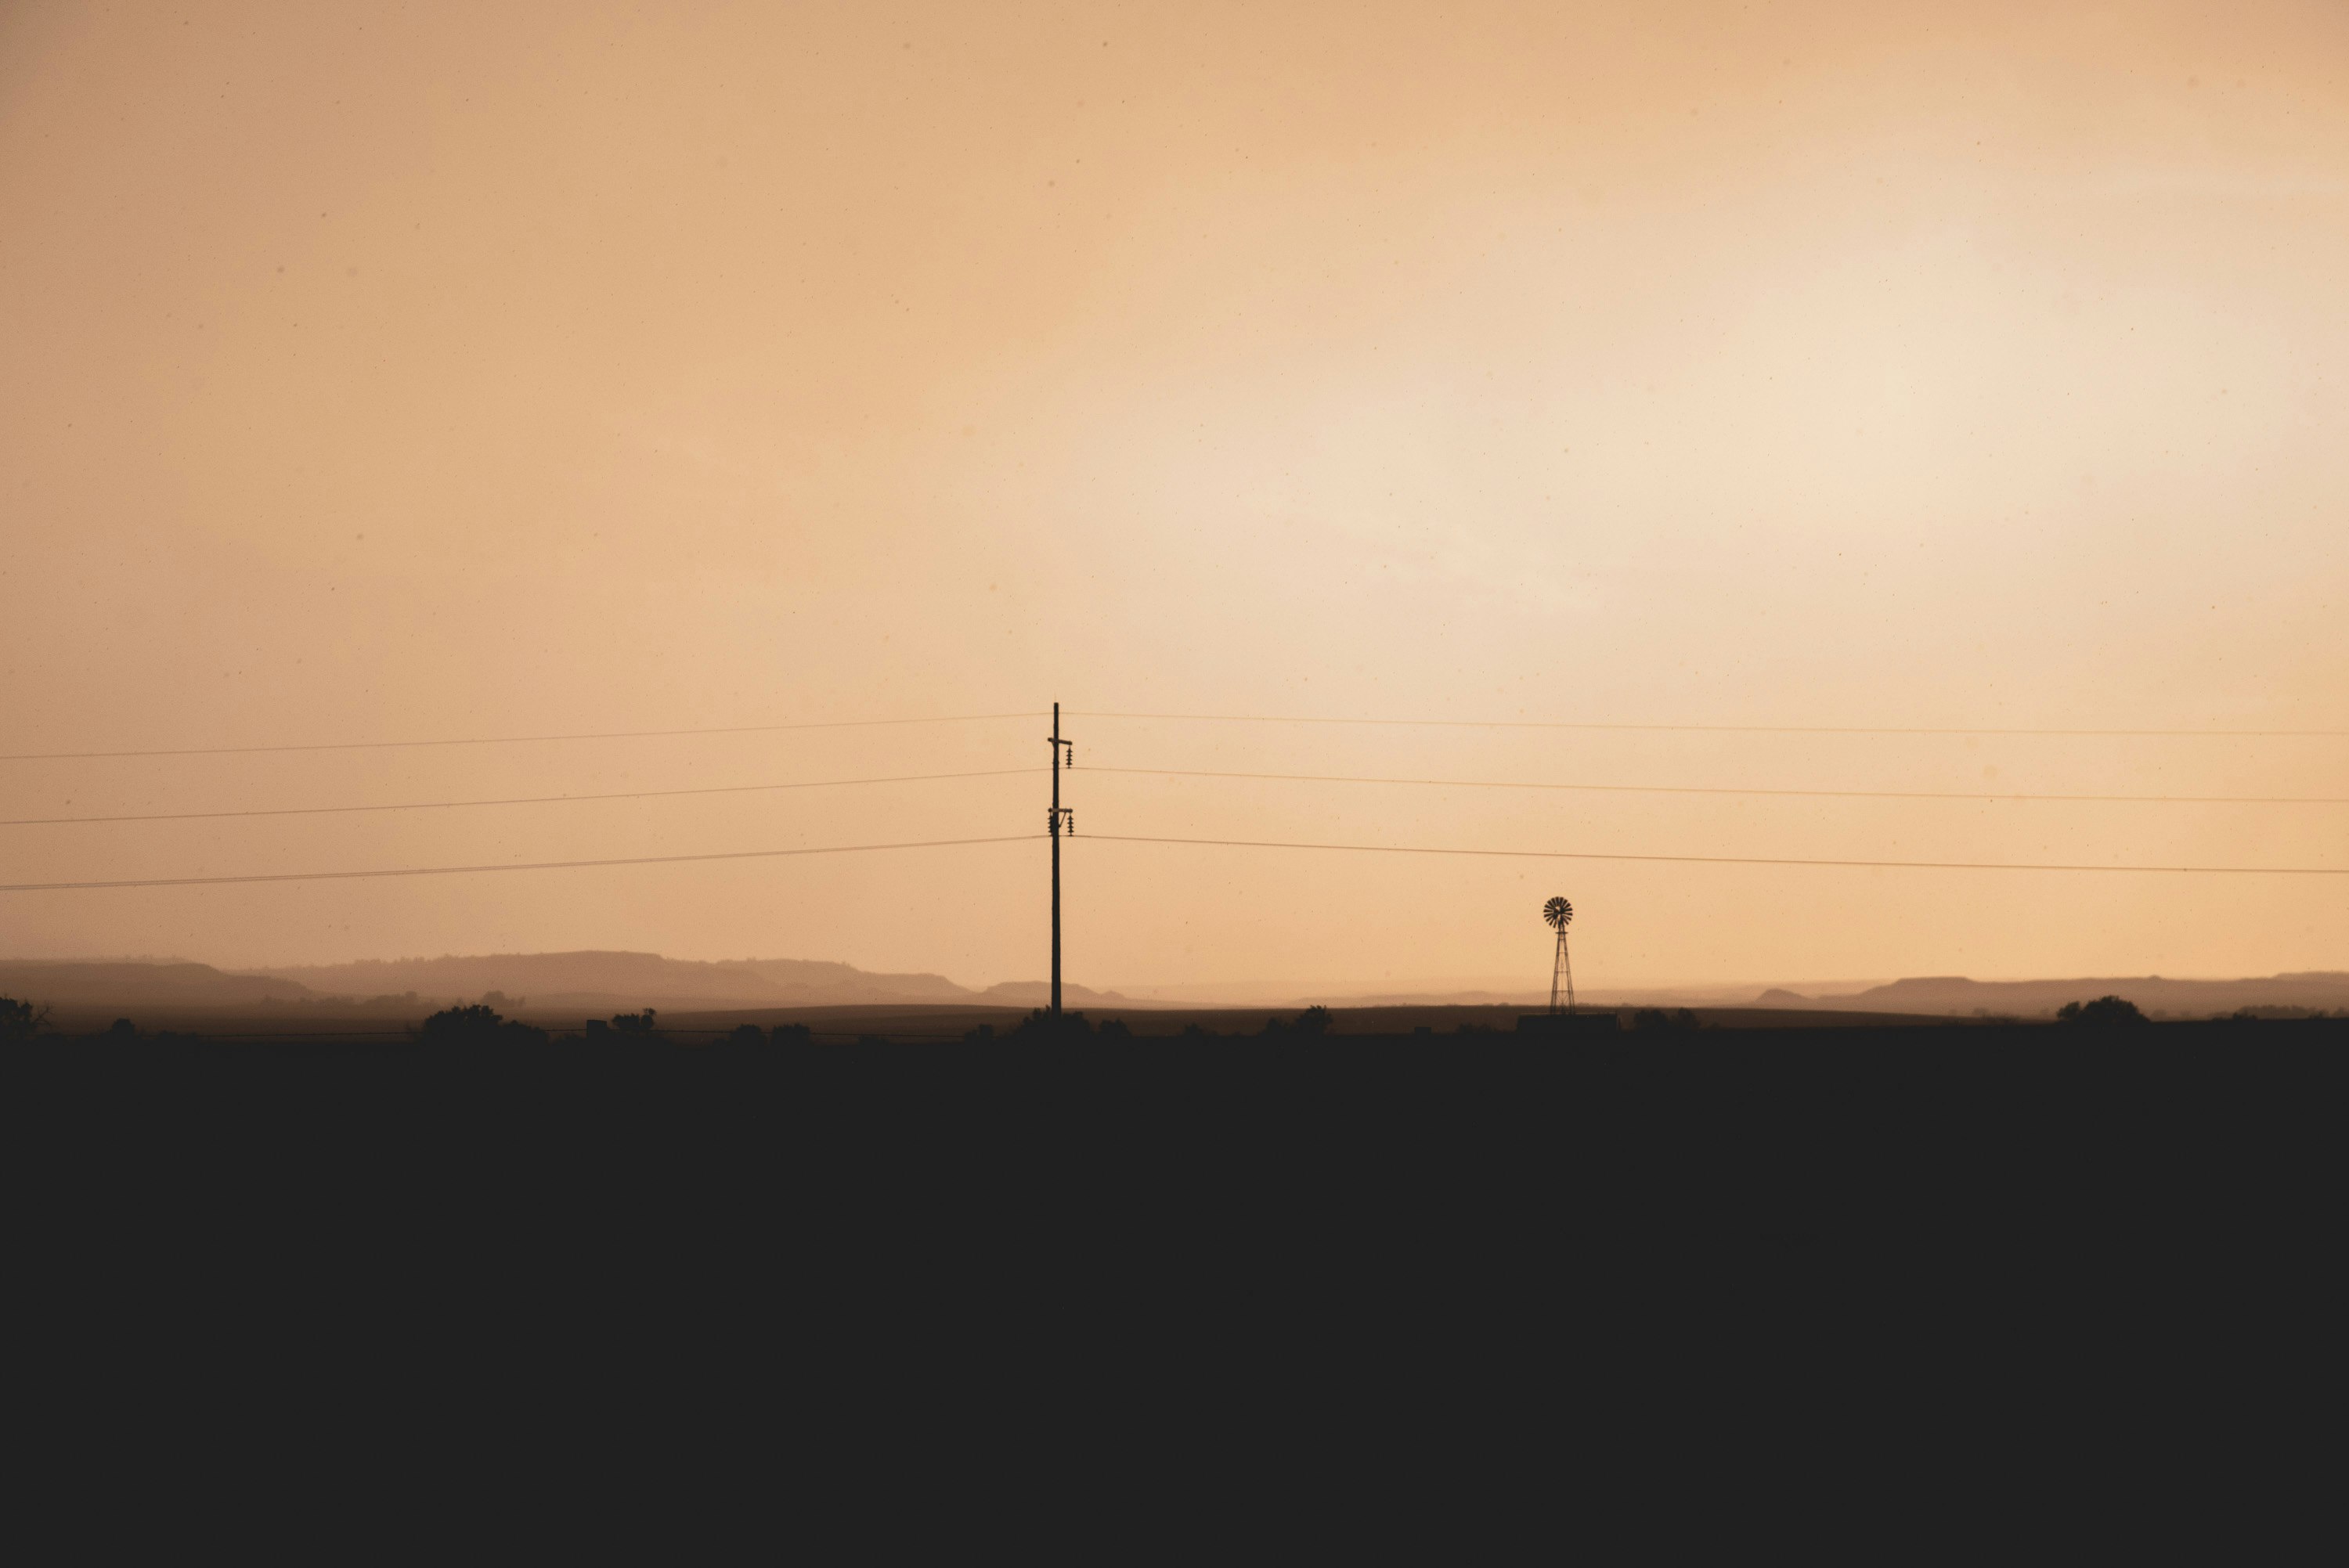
(1704, 728)
(1963, 795)
(1977, 795)
(1724, 859)
(1060, 821)
(508, 800)
(1212, 844)
(1591, 725)
(505, 740)
(518, 866)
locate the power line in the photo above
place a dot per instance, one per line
(1701, 789)
(1187, 773)
(1216, 843)
(1701, 728)
(508, 800)
(531, 866)
(1186, 717)
(1720, 860)
(505, 739)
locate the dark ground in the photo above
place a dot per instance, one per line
(1672, 1238)
(1513, 1155)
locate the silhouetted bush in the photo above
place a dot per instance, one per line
(983, 1035)
(1043, 1024)
(20, 1020)
(2103, 1012)
(1114, 1030)
(1653, 1019)
(476, 1026)
(626, 1029)
(792, 1035)
(747, 1035)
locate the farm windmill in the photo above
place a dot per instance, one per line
(1559, 914)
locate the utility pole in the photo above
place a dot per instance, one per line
(1064, 754)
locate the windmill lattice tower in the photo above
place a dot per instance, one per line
(1560, 913)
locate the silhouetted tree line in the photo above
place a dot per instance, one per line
(1043, 1024)
(478, 1025)
(2105, 1012)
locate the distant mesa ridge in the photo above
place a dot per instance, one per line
(132, 981)
(586, 979)
(644, 978)
(1956, 994)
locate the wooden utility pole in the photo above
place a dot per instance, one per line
(1064, 754)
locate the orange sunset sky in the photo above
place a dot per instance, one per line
(470, 370)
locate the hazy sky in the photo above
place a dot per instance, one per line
(458, 370)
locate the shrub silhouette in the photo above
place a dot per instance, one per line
(1040, 1024)
(1657, 1019)
(19, 1020)
(2103, 1012)
(475, 1026)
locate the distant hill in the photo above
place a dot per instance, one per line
(1956, 994)
(1038, 993)
(846, 983)
(129, 982)
(623, 979)
(591, 981)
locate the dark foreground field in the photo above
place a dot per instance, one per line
(1772, 1139)
(1661, 1238)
